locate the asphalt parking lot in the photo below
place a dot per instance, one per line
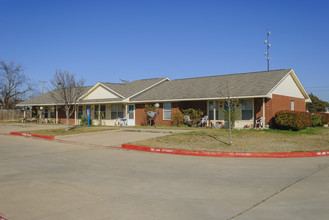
(42, 179)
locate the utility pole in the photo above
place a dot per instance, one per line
(43, 86)
(267, 53)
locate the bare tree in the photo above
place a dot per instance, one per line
(15, 86)
(225, 93)
(66, 90)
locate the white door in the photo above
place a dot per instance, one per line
(131, 115)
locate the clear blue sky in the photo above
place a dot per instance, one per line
(137, 39)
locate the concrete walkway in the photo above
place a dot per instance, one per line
(115, 137)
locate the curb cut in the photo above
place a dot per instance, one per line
(94, 145)
(33, 135)
(53, 138)
(225, 154)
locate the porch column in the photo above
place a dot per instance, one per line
(215, 111)
(56, 114)
(263, 112)
(75, 114)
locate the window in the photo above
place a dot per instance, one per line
(52, 112)
(45, 112)
(167, 111)
(96, 112)
(292, 105)
(246, 109)
(116, 111)
(213, 105)
(103, 111)
(226, 106)
(80, 111)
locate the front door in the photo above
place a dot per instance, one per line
(131, 115)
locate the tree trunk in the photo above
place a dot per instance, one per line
(67, 120)
(229, 121)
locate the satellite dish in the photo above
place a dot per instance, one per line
(151, 114)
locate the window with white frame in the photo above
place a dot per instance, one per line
(45, 112)
(213, 107)
(246, 109)
(52, 112)
(80, 111)
(102, 111)
(116, 111)
(292, 105)
(167, 111)
(96, 112)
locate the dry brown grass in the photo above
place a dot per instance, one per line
(311, 139)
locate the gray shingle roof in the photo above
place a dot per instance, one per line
(131, 88)
(45, 99)
(125, 90)
(240, 85)
(254, 84)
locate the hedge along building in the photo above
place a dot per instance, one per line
(259, 95)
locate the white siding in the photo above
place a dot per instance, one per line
(100, 93)
(288, 87)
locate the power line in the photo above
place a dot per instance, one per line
(316, 87)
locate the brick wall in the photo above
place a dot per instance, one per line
(276, 104)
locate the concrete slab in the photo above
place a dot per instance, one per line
(111, 137)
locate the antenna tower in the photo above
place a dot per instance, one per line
(267, 53)
(43, 86)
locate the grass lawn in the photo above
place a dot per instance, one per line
(61, 131)
(310, 139)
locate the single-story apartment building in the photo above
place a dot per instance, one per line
(259, 94)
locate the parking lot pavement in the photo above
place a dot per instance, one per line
(42, 179)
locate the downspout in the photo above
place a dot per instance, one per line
(263, 124)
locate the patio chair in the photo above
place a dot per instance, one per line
(203, 121)
(259, 122)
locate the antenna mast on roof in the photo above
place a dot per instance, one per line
(43, 86)
(268, 45)
(124, 81)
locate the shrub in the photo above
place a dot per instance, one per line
(178, 119)
(292, 120)
(195, 115)
(324, 117)
(84, 120)
(234, 116)
(317, 120)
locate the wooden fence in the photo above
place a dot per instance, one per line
(14, 114)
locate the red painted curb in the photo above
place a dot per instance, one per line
(225, 154)
(33, 135)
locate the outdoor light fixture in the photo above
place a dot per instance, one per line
(157, 105)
